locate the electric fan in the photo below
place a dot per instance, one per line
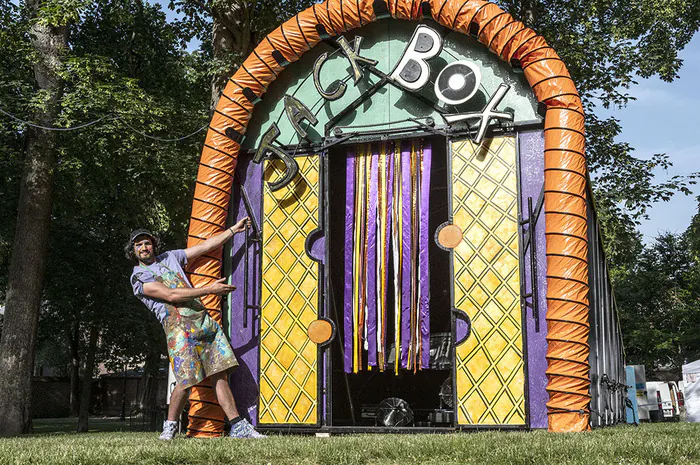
(393, 412)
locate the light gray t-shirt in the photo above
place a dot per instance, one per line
(174, 260)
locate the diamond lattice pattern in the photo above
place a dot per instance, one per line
(288, 358)
(489, 364)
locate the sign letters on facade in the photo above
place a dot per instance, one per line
(456, 83)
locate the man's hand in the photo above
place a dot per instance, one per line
(220, 287)
(240, 226)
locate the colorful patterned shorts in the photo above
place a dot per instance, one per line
(197, 346)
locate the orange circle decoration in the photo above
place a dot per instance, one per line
(320, 331)
(449, 236)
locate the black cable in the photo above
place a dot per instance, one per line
(107, 116)
(161, 139)
(54, 128)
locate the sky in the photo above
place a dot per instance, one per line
(664, 119)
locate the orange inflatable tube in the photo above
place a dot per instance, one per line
(565, 174)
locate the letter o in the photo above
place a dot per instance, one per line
(457, 82)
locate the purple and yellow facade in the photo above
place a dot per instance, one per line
(416, 177)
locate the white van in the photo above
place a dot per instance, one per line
(663, 401)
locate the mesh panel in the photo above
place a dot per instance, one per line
(288, 358)
(489, 364)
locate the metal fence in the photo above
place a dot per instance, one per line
(607, 358)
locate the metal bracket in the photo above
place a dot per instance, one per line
(358, 101)
(530, 241)
(428, 125)
(257, 237)
(249, 210)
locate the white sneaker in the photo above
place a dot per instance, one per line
(169, 430)
(243, 429)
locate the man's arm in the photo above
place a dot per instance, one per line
(160, 291)
(215, 241)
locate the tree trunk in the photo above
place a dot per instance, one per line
(222, 46)
(26, 272)
(233, 35)
(86, 391)
(74, 342)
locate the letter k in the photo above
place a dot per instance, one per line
(353, 56)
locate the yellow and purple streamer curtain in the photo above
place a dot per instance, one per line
(386, 228)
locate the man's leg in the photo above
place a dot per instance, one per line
(224, 395)
(240, 427)
(177, 400)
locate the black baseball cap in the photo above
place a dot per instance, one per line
(140, 232)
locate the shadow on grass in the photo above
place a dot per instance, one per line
(95, 425)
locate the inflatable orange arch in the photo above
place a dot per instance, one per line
(565, 175)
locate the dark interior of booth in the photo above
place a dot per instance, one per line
(357, 398)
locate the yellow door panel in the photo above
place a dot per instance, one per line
(289, 303)
(489, 370)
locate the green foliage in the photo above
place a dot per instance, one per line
(56, 13)
(14, 89)
(245, 23)
(659, 303)
(127, 66)
(263, 16)
(693, 236)
(607, 45)
(124, 60)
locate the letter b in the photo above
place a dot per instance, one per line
(412, 71)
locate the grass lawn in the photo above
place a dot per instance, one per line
(647, 444)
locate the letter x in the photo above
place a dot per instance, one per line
(489, 113)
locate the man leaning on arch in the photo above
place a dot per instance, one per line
(197, 346)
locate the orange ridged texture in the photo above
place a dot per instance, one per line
(565, 174)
